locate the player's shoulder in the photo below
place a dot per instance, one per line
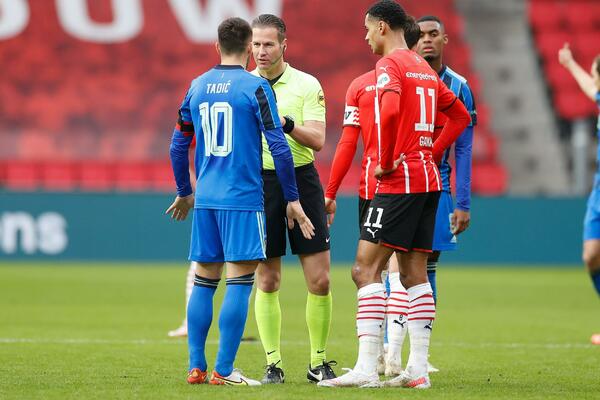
(455, 75)
(303, 78)
(363, 81)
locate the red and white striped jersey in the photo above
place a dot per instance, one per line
(422, 93)
(360, 112)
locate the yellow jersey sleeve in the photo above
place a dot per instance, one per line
(314, 101)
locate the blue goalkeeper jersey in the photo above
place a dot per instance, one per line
(226, 109)
(463, 146)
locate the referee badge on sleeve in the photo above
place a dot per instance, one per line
(321, 98)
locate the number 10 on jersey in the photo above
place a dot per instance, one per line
(218, 117)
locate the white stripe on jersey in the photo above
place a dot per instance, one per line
(437, 177)
(425, 171)
(261, 234)
(406, 176)
(367, 178)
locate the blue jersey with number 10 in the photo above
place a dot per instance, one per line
(229, 108)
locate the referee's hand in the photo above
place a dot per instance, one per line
(295, 212)
(180, 207)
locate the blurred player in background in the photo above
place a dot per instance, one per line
(590, 85)
(359, 121)
(226, 108)
(401, 216)
(301, 104)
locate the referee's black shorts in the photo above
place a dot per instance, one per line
(313, 203)
(404, 222)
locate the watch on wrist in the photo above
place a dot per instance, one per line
(289, 124)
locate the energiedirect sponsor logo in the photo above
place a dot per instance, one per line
(421, 76)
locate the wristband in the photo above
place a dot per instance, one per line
(289, 124)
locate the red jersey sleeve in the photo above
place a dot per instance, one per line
(388, 76)
(351, 111)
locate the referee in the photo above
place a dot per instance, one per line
(301, 104)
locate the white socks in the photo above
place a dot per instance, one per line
(397, 313)
(369, 319)
(420, 323)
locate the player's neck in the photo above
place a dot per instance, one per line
(273, 72)
(234, 60)
(436, 64)
(395, 43)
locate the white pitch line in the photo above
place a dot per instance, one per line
(287, 342)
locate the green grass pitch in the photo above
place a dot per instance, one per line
(99, 332)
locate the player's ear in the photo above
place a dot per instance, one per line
(218, 48)
(284, 45)
(445, 39)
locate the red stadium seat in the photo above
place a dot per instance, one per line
(558, 76)
(489, 179)
(546, 15)
(573, 104)
(59, 175)
(161, 177)
(549, 42)
(132, 176)
(582, 15)
(21, 175)
(96, 176)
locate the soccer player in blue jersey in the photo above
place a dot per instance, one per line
(227, 108)
(590, 85)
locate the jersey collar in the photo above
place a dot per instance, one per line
(287, 74)
(221, 66)
(442, 71)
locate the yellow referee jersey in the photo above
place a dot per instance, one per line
(300, 96)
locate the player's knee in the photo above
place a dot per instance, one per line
(319, 285)
(268, 281)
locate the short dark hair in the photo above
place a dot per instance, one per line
(412, 32)
(427, 18)
(234, 35)
(271, 21)
(391, 13)
(597, 64)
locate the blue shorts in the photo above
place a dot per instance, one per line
(227, 235)
(443, 238)
(591, 222)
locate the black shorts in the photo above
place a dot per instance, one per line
(313, 203)
(404, 222)
(363, 206)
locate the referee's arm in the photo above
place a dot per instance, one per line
(311, 134)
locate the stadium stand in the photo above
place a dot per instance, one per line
(553, 23)
(78, 115)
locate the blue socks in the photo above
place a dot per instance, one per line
(431, 267)
(232, 321)
(596, 280)
(199, 316)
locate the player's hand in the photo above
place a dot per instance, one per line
(181, 207)
(295, 212)
(330, 208)
(565, 57)
(379, 172)
(460, 221)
